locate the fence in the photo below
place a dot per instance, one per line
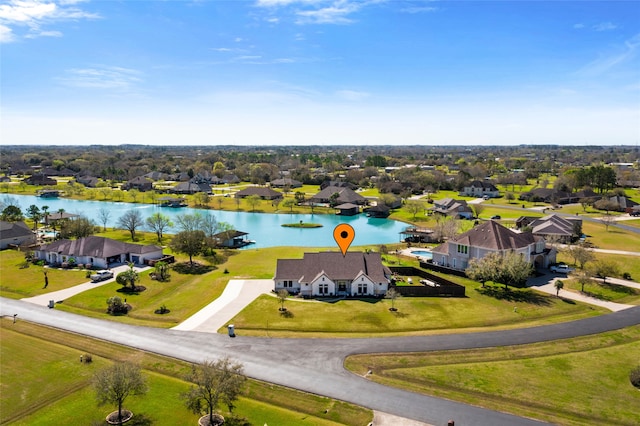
(443, 287)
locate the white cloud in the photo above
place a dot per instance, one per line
(115, 78)
(35, 14)
(6, 34)
(608, 62)
(318, 11)
(44, 34)
(352, 95)
(578, 26)
(419, 9)
(605, 26)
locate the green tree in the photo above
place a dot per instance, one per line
(161, 270)
(214, 382)
(289, 202)
(191, 243)
(253, 201)
(113, 385)
(79, 227)
(130, 276)
(34, 213)
(414, 207)
(158, 223)
(559, 285)
(605, 268)
(483, 270)
(12, 214)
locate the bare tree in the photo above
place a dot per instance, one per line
(104, 214)
(607, 221)
(131, 221)
(392, 294)
(282, 297)
(158, 223)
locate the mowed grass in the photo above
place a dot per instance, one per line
(612, 239)
(19, 279)
(44, 382)
(581, 381)
(481, 309)
(184, 294)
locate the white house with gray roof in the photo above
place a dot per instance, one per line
(97, 251)
(332, 274)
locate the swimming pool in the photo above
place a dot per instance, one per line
(422, 253)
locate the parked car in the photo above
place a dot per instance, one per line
(635, 213)
(101, 275)
(496, 216)
(561, 268)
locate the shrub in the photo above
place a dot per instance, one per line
(634, 377)
(626, 276)
(115, 306)
(87, 358)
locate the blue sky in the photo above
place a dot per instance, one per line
(300, 72)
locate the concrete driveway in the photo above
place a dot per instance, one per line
(56, 296)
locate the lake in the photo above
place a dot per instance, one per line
(264, 228)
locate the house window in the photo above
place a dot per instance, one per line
(323, 289)
(362, 288)
(462, 249)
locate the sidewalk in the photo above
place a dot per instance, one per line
(56, 296)
(546, 285)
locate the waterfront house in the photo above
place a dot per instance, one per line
(332, 274)
(491, 237)
(100, 252)
(261, 191)
(15, 234)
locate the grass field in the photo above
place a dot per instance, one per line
(48, 383)
(481, 309)
(574, 382)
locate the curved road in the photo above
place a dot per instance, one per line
(316, 365)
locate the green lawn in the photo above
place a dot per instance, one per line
(581, 381)
(48, 383)
(184, 294)
(20, 279)
(481, 309)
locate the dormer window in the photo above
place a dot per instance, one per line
(462, 249)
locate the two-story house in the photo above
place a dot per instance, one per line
(491, 237)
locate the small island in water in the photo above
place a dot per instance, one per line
(302, 224)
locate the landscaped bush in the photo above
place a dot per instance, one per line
(115, 306)
(634, 377)
(626, 276)
(87, 358)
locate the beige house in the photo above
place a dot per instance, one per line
(491, 237)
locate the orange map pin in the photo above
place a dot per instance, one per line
(344, 235)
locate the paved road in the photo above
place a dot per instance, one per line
(316, 365)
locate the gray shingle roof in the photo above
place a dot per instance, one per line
(99, 247)
(334, 265)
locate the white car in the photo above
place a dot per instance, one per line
(561, 269)
(101, 275)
